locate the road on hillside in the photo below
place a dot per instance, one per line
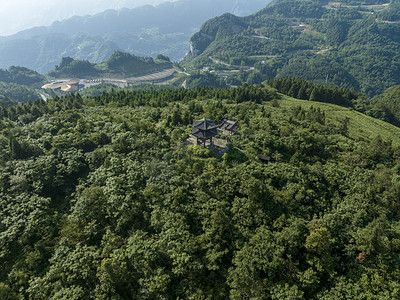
(216, 61)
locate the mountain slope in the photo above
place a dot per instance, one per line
(144, 31)
(119, 64)
(388, 104)
(343, 43)
(18, 84)
(360, 126)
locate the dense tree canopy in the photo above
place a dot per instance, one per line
(101, 199)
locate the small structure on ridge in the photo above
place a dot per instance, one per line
(204, 130)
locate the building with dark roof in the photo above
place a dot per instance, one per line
(204, 130)
(228, 127)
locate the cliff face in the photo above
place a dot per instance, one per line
(199, 42)
(217, 28)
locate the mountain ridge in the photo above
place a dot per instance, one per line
(353, 46)
(144, 31)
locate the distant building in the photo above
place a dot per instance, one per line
(204, 130)
(65, 86)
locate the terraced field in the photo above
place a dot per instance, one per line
(158, 76)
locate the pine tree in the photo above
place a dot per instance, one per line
(314, 95)
(16, 150)
(302, 93)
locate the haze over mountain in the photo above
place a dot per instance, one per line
(24, 14)
(145, 31)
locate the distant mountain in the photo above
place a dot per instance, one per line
(43, 52)
(347, 43)
(21, 76)
(144, 31)
(15, 18)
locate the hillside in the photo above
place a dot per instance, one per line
(119, 64)
(360, 126)
(22, 76)
(345, 43)
(104, 198)
(389, 105)
(143, 31)
(19, 84)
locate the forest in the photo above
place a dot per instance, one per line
(18, 84)
(102, 198)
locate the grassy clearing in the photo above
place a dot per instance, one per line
(361, 126)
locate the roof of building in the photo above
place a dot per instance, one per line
(204, 124)
(204, 134)
(228, 125)
(52, 86)
(66, 86)
(69, 88)
(73, 81)
(204, 129)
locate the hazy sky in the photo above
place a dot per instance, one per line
(17, 15)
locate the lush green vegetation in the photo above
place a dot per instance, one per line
(388, 104)
(348, 46)
(21, 76)
(17, 93)
(384, 107)
(204, 79)
(118, 64)
(18, 84)
(101, 199)
(6, 101)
